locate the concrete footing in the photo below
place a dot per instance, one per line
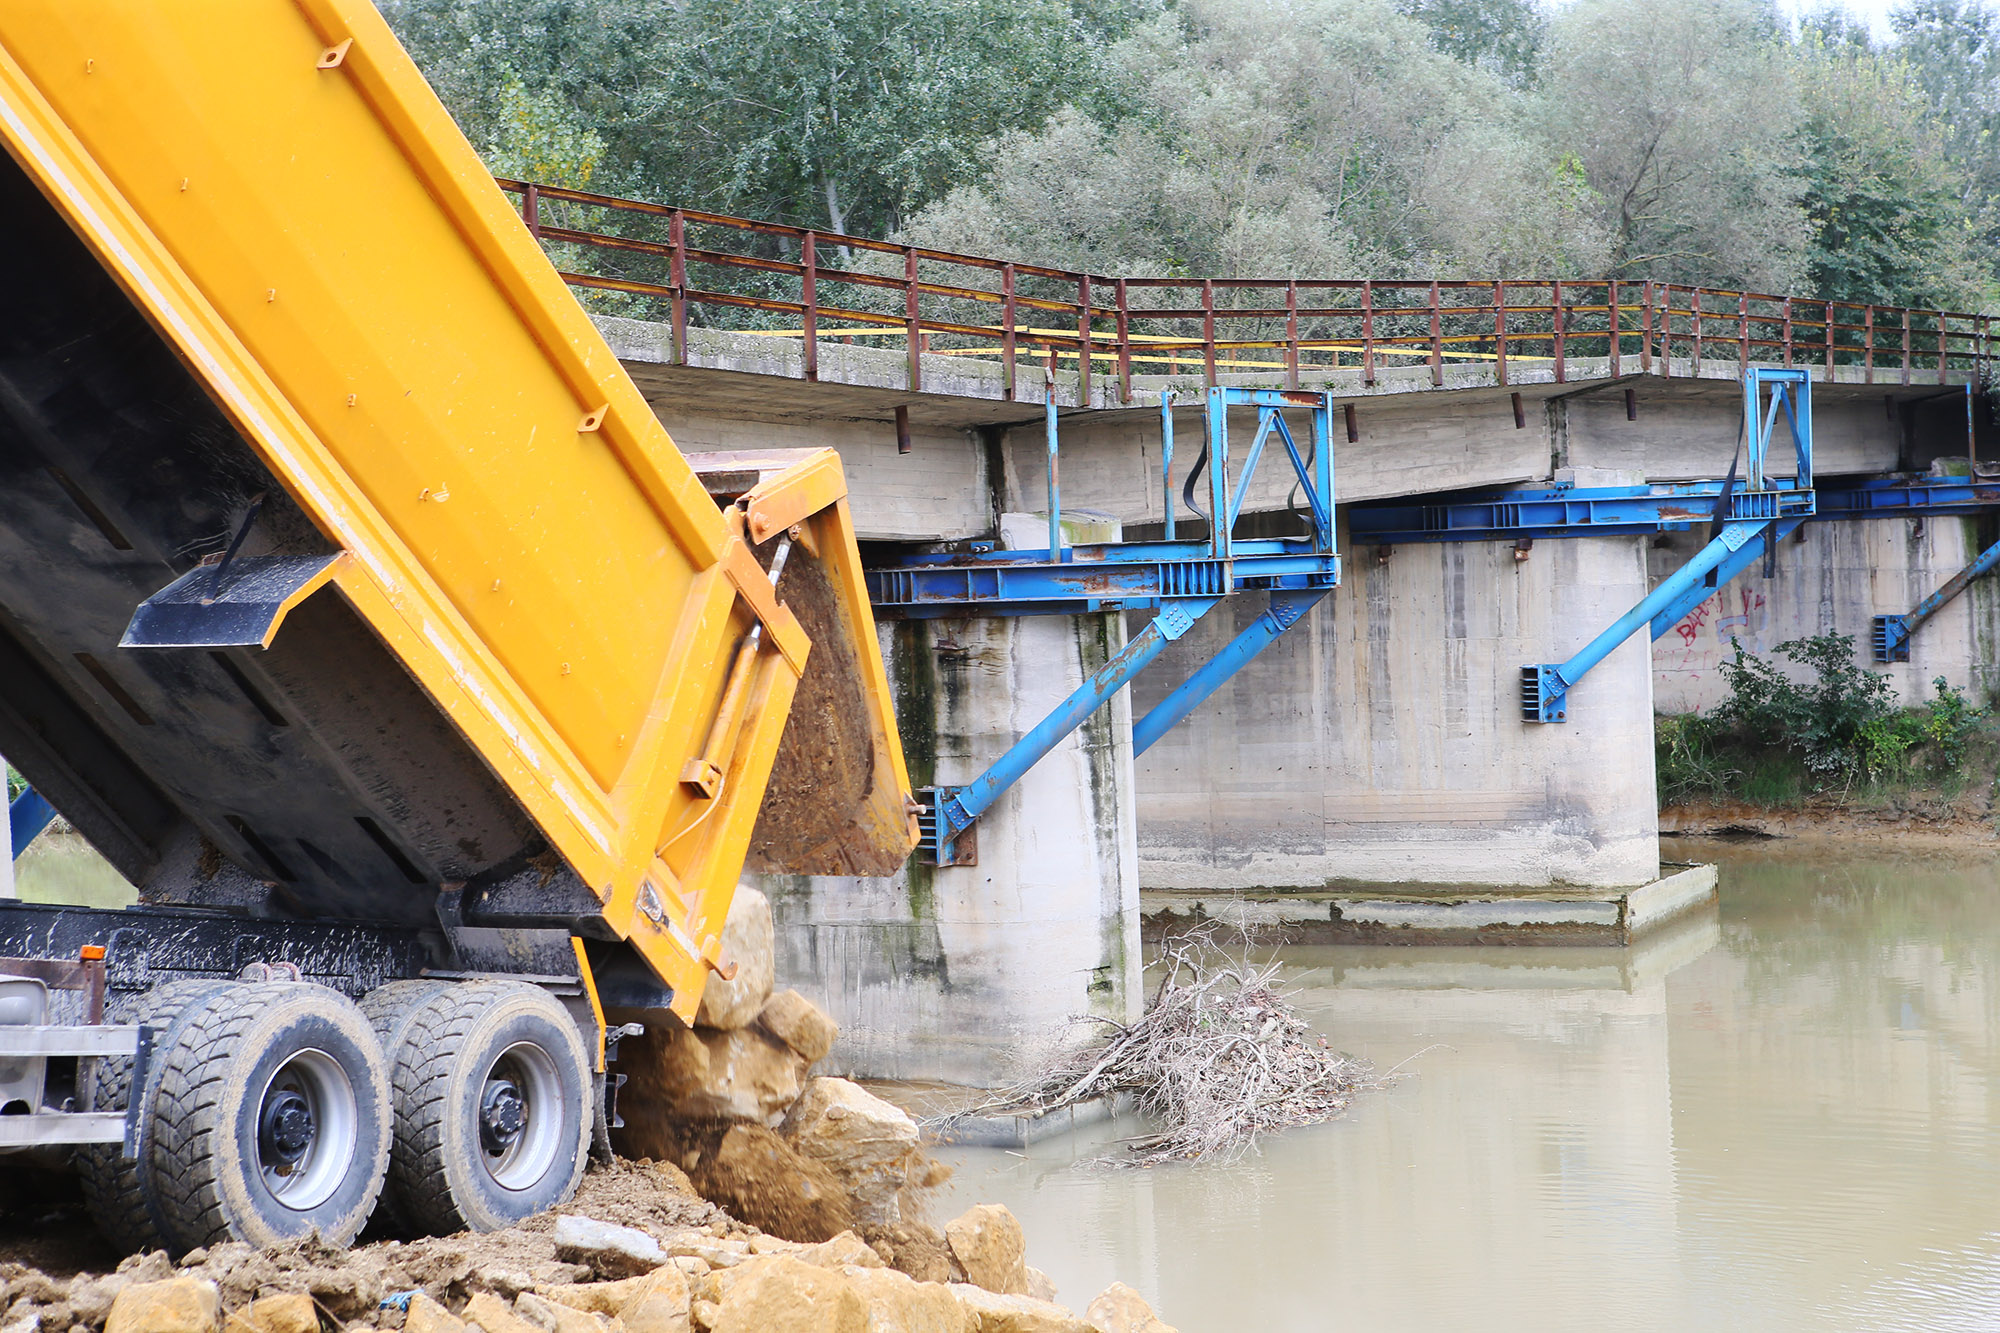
(1441, 914)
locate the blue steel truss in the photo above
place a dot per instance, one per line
(1179, 578)
(1747, 523)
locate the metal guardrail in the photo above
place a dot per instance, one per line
(713, 270)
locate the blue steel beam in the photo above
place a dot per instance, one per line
(1286, 610)
(1125, 576)
(1613, 511)
(1892, 633)
(27, 815)
(952, 810)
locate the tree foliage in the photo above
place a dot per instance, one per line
(1707, 141)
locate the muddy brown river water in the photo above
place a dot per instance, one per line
(1784, 1116)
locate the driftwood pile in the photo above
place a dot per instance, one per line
(1218, 1058)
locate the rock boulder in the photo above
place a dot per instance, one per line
(782, 1295)
(994, 1313)
(1119, 1309)
(986, 1241)
(799, 1023)
(869, 1145)
(177, 1305)
(748, 941)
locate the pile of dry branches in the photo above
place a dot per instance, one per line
(1218, 1058)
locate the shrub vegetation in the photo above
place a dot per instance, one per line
(1810, 719)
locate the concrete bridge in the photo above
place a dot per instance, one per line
(1370, 774)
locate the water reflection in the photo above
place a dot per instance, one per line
(1781, 1118)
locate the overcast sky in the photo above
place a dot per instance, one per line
(1876, 12)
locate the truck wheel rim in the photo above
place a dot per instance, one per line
(308, 1125)
(520, 1117)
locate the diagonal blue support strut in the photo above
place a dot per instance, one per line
(1545, 687)
(27, 815)
(1734, 563)
(953, 809)
(1892, 633)
(1286, 610)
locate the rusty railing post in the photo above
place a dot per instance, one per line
(1906, 345)
(1561, 332)
(677, 284)
(1500, 331)
(1646, 300)
(1368, 331)
(1943, 378)
(1826, 315)
(1208, 329)
(1787, 312)
(1083, 341)
(1694, 314)
(1124, 342)
(912, 324)
(1742, 333)
(1437, 338)
(1617, 335)
(809, 290)
(1292, 333)
(1868, 343)
(531, 209)
(1007, 317)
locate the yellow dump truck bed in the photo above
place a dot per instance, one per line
(477, 617)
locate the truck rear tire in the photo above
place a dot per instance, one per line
(114, 1189)
(492, 1092)
(271, 1120)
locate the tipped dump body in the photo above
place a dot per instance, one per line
(469, 616)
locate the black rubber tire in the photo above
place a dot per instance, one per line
(438, 1166)
(231, 1049)
(114, 1189)
(389, 1009)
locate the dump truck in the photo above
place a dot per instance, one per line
(356, 606)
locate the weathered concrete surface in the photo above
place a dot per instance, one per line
(1381, 740)
(1836, 577)
(1442, 914)
(958, 973)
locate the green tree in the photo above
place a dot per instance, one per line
(1952, 48)
(1316, 139)
(844, 114)
(1502, 36)
(1686, 120)
(1883, 198)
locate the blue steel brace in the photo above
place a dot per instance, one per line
(1286, 610)
(952, 810)
(27, 815)
(1892, 633)
(1760, 513)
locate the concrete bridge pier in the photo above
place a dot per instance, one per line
(1377, 752)
(964, 973)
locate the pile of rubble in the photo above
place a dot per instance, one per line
(574, 1274)
(731, 1101)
